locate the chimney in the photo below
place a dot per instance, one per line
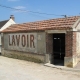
(12, 17)
(65, 16)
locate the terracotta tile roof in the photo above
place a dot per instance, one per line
(59, 23)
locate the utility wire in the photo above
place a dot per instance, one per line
(20, 10)
(38, 15)
(29, 11)
(12, 8)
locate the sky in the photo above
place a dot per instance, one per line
(55, 7)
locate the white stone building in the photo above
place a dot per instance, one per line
(5, 24)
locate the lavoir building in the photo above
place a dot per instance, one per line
(55, 41)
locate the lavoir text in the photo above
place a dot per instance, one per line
(24, 40)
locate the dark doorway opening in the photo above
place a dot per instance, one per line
(58, 49)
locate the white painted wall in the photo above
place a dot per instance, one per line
(29, 39)
(0, 39)
(78, 39)
(10, 22)
(7, 24)
(78, 43)
(78, 27)
(0, 42)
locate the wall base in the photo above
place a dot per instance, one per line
(24, 56)
(70, 61)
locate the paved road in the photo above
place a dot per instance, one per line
(14, 69)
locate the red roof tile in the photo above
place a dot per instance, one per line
(59, 23)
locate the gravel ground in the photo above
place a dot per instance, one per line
(77, 66)
(14, 69)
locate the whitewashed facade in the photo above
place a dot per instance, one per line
(9, 23)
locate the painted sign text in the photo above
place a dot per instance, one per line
(24, 40)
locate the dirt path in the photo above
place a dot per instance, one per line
(14, 69)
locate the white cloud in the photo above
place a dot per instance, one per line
(19, 9)
(13, 0)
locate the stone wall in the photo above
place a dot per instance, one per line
(15, 45)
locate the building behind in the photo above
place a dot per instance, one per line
(5, 24)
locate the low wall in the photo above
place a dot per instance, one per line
(24, 56)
